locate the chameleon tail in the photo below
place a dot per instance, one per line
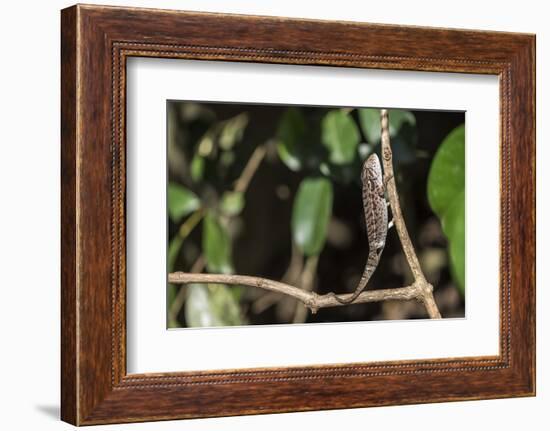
(350, 299)
(369, 270)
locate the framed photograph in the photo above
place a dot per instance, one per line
(258, 208)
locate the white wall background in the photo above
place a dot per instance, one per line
(29, 215)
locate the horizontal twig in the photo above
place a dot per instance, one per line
(312, 300)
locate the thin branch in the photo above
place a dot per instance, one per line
(312, 300)
(192, 221)
(250, 169)
(399, 221)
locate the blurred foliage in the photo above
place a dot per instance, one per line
(181, 202)
(446, 193)
(216, 245)
(232, 203)
(301, 184)
(311, 214)
(369, 119)
(291, 134)
(341, 137)
(212, 305)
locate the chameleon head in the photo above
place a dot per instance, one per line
(372, 171)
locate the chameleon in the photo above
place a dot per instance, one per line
(376, 218)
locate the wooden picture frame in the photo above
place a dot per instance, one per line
(95, 43)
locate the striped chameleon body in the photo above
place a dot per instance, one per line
(376, 218)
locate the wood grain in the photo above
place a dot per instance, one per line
(95, 42)
(69, 329)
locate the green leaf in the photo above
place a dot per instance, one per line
(232, 203)
(181, 201)
(446, 178)
(454, 226)
(214, 305)
(290, 138)
(233, 131)
(311, 213)
(225, 304)
(369, 119)
(340, 136)
(206, 144)
(216, 245)
(447, 197)
(197, 168)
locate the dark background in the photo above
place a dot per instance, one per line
(261, 234)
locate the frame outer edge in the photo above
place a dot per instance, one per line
(69, 302)
(533, 56)
(532, 62)
(523, 208)
(88, 397)
(530, 81)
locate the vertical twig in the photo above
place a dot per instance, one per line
(250, 169)
(393, 197)
(192, 221)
